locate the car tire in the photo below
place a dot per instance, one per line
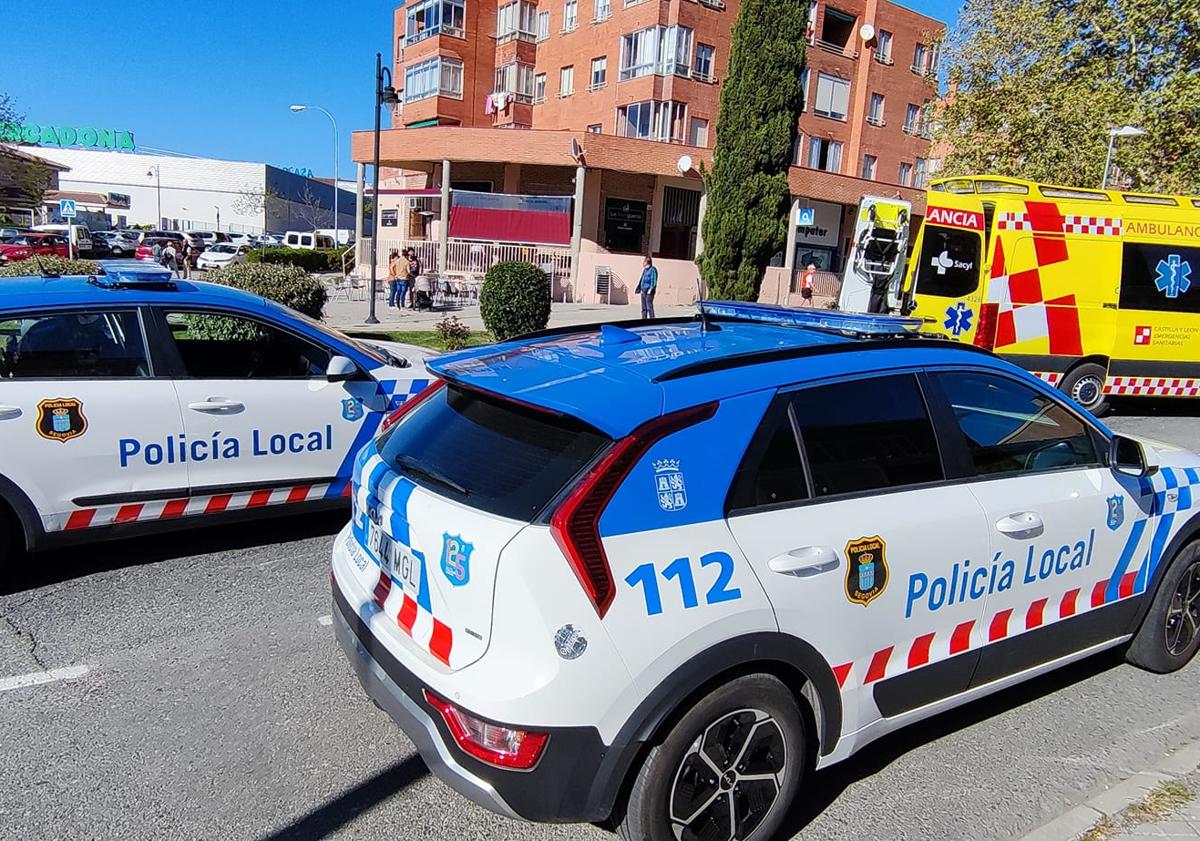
(1085, 385)
(755, 750)
(1170, 633)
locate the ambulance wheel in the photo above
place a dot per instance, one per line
(1085, 385)
(729, 769)
(1170, 633)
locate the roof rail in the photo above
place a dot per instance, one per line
(854, 325)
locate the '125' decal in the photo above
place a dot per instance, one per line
(680, 569)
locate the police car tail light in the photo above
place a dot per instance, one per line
(575, 524)
(495, 744)
(411, 403)
(985, 331)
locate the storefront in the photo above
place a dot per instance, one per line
(818, 235)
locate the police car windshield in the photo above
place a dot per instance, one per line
(489, 453)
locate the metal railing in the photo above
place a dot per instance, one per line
(471, 258)
(838, 49)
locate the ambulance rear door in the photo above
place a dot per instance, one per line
(947, 267)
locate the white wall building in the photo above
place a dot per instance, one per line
(185, 193)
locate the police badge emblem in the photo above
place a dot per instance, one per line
(352, 409)
(61, 419)
(669, 485)
(456, 559)
(866, 569)
(1116, 511)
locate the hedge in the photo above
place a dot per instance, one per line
(50, 265)
(515, 299)
(312, 260)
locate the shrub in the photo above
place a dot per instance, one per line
(515, 299)
(320, 260)
(49, 264)
(453, 333)
(288, 285)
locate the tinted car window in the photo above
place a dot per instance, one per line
(1011, 428)
(866, 435)
(492, 454)
(771, 471)
(79, 344)
(227, 347)
(949, 262)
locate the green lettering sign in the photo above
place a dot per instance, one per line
(88, 137)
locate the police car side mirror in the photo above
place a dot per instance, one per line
(1129, 457)
(340, 370)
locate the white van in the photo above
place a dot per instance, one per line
(307, 239)
(83, 236)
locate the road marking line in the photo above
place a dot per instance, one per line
(325, 621)
(36, 678)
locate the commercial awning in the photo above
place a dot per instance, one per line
(544, 220)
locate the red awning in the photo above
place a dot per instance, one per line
(511, 218)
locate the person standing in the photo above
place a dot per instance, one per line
(395, 297)
(647, 287)
(170, 258)
(189, 258)
(806, 285)
(414, 271)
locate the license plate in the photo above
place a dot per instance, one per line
(396, 559)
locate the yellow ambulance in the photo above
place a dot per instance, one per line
(1095, 291)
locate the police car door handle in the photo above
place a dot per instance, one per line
(1022, 525)
(805, 561)
(10, 412)
(217, 406)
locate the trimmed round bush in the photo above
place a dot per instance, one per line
(49, 264)
(288, 285)
(515, 299)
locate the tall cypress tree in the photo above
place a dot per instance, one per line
(761, 97)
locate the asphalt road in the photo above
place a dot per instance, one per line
(216, 705)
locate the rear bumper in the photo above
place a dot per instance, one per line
(577, 777)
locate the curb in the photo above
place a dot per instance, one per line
(1077, 821)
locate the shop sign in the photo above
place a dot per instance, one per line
(87, 137)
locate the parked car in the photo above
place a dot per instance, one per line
(155, 234)
(207, 239)
(112, 243)
(241, 239)
(83, 236)
(222, 255)
(145, 249)
(307, 239)
(31, 244)
(5, 232)
(268, 240)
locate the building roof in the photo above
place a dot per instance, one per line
(21, 155)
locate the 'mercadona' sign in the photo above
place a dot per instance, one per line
(85, 136)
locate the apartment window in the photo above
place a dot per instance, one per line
(921, 174)
(539, 89)
(566, 81)
(697, 132)
(515, 78)
(570, 15)
(833, 96)
(599, 73)
(665, 50)
(651, 120)
(836, 30)
(703, 68)
(825, 154)
(912, 116)
(437, 76)
(516, 20)
(595, 128)
(429, 17)
(883, 47)
(543, 26)
(920, 63)
(870, 162)
(804, 74)
(906, 173)
(602, 10)
(875, 114)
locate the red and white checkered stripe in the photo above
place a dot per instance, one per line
(423, 627)
(936, 646)
(1097, 225)
(170, 509)
(1013, 221)
(1051, 377)
(1152, 386)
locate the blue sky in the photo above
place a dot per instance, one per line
(213, 78)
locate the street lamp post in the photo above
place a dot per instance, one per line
(1113, 134)
(157, 173)
(217, 208)
(336, 154)
(383, 93)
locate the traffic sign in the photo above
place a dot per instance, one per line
(66, 208)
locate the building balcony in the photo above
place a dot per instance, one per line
(837, 49)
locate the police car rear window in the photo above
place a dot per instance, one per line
(489, 453)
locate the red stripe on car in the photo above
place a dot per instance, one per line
(441, 641)
(879, 663)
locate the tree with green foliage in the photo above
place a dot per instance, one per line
(23, 178)
(1035, 85)
(761, 98)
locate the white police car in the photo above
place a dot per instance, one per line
(130, 401)
(656, 573)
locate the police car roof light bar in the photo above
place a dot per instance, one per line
(128, 274)
(845, 323)
(575, 523)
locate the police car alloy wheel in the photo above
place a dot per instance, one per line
(1170, 633)
(728, 770)
(1085, 385)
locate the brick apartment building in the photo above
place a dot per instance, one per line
(610, 106)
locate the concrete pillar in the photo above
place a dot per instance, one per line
(700, 224)
(577, 228)
(360, 193)
(444, 217)
(789, 253)
(512, 178)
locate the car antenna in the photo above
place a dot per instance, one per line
(700, 303)
(42, 267)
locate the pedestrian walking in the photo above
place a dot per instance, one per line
(806, 285)
(156, 250)
(170, 258)
(395, 298)
(189, 260)
(647, 286)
